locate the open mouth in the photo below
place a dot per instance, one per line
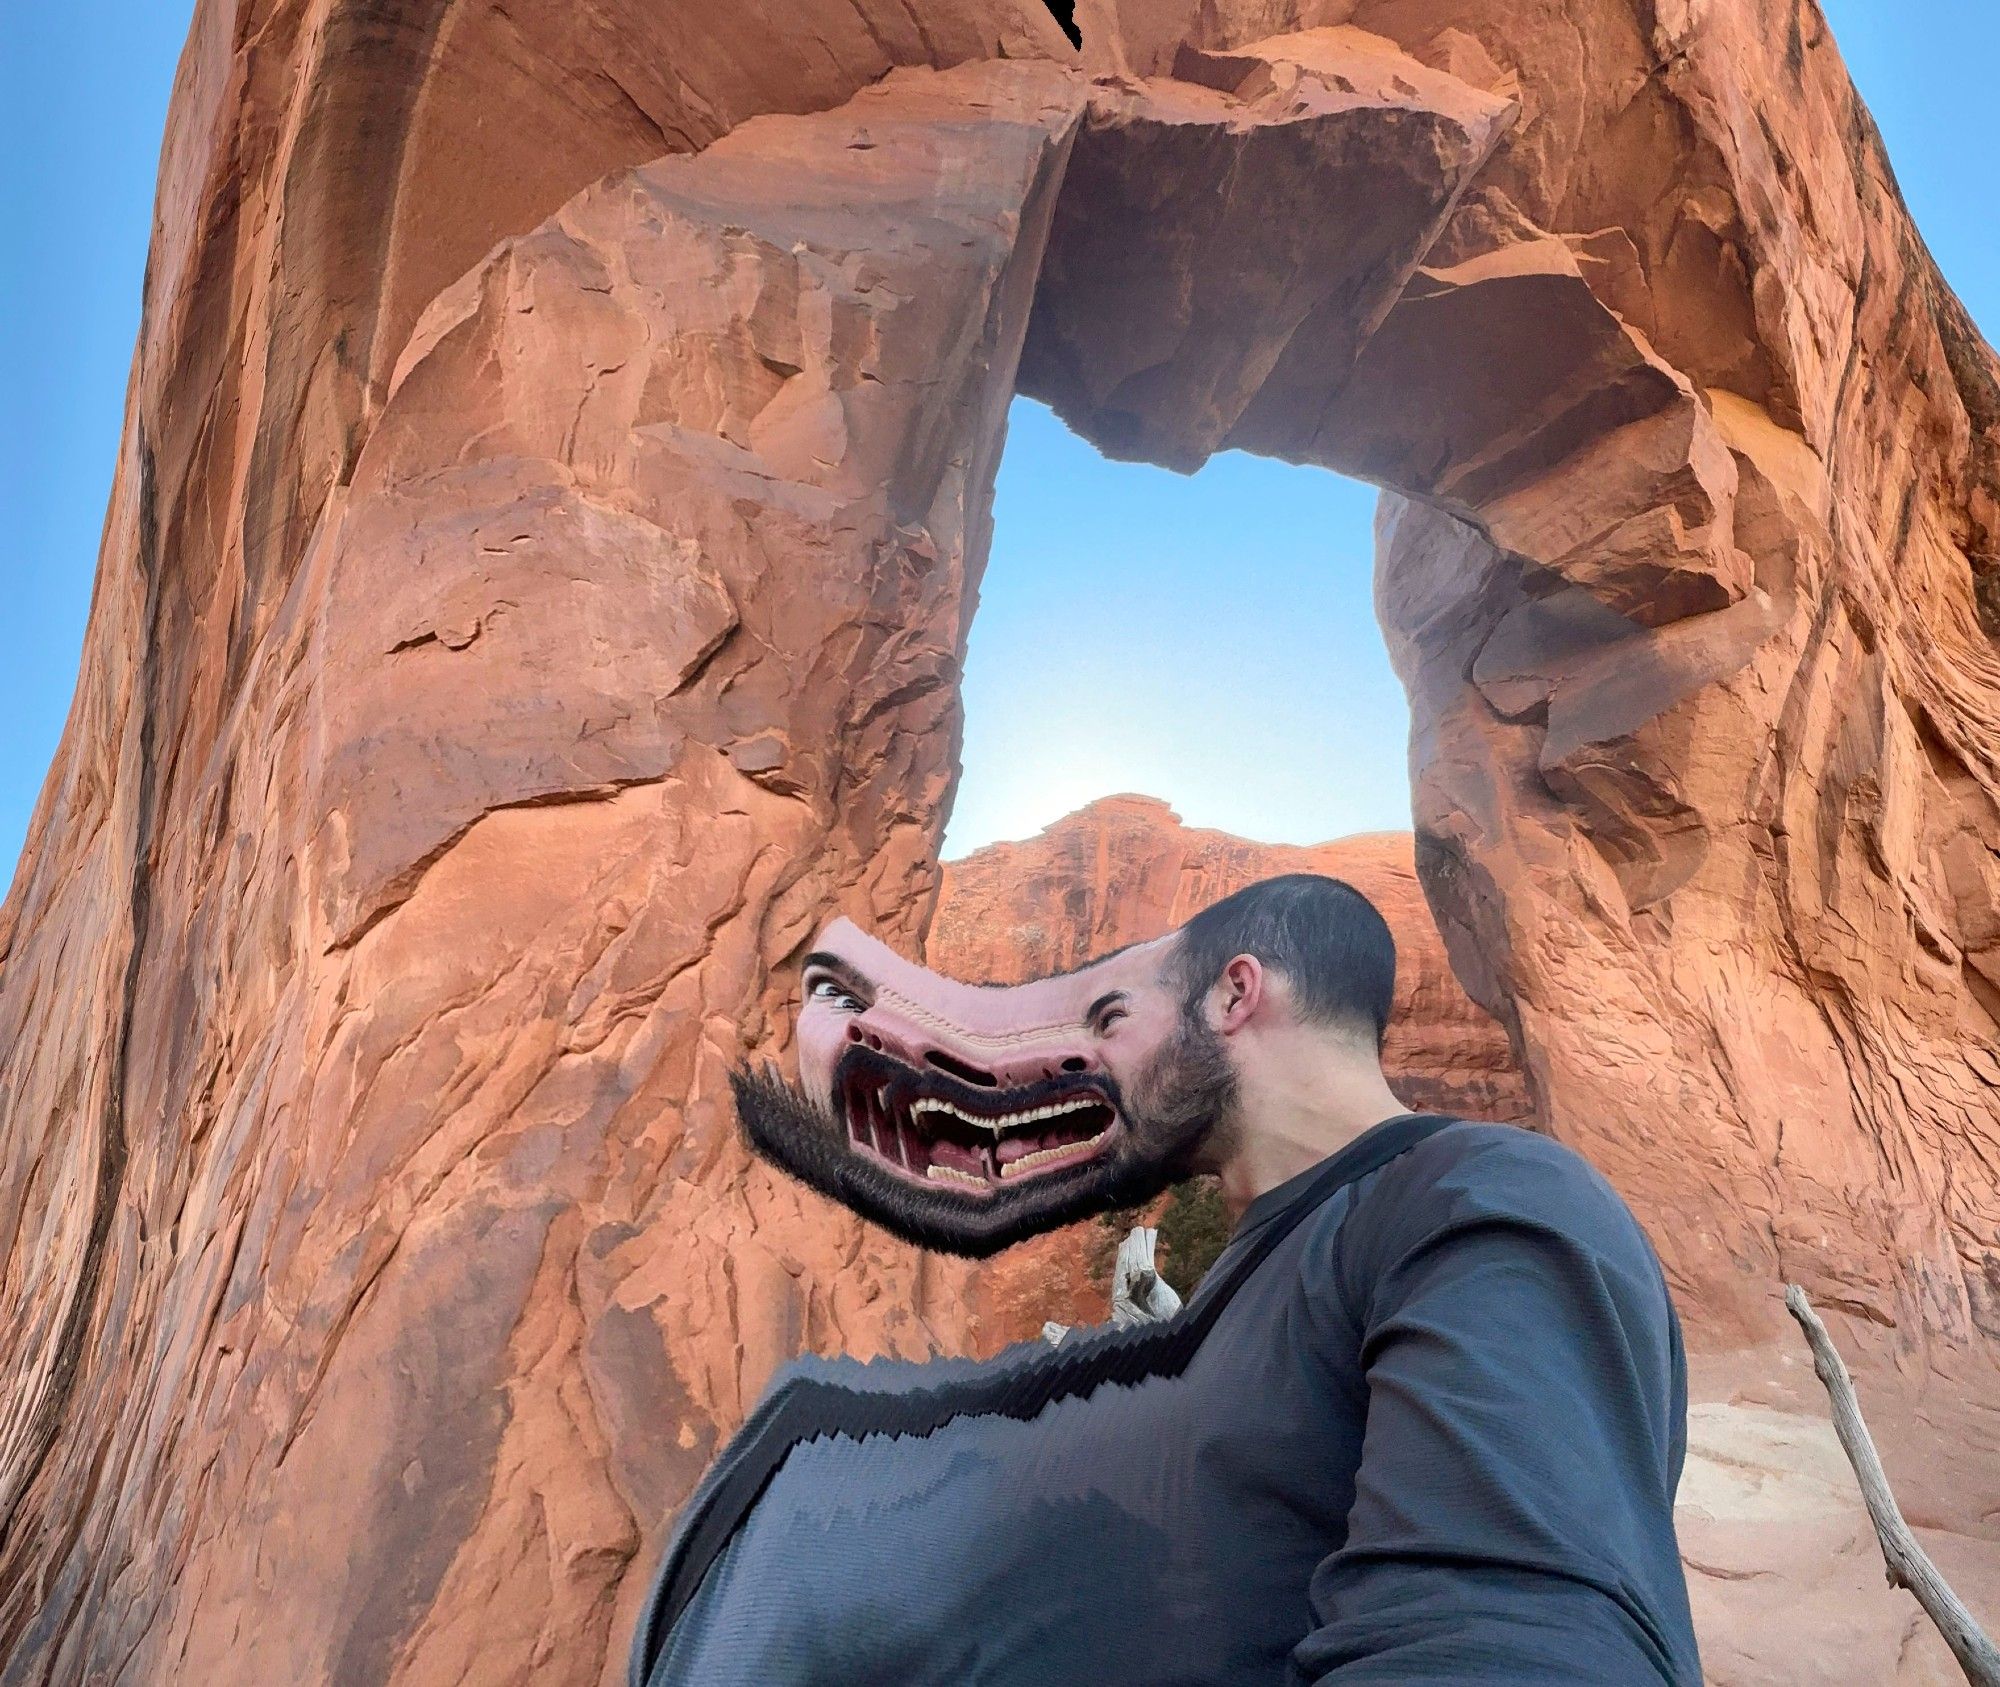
(947, 1135)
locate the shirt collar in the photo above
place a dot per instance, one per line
(1272, 1202)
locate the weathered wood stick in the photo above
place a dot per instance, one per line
(1908, 1564)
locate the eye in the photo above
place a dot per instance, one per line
(1108, 1017)
(834, 994)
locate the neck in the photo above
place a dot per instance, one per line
(1297, 1106)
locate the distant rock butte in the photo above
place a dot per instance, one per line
(555, 484)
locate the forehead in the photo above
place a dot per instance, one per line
(1061, 1000)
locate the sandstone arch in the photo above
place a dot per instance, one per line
(553, 493)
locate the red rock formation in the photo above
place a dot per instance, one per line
(1125, 869)
(554, 482)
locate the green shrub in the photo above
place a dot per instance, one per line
(1193, 1230)
(1193, 1226)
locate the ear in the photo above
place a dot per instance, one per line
(1239, 993)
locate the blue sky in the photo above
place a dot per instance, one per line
(1206, 638)
(1210, 640)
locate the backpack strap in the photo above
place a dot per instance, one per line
(812, 1408)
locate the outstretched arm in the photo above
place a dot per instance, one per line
(1513, 1513)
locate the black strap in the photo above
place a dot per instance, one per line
(812, 1408)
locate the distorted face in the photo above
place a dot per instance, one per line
(969, 1117)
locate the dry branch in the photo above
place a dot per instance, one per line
(1907, 1563)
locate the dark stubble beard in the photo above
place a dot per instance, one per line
(1182, 1107)
(1179, 1115)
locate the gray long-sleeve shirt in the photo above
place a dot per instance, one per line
(1434, 1436)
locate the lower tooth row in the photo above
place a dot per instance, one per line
(1042, 1155)
(951, 1174)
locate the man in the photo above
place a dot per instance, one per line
(1422, 1421)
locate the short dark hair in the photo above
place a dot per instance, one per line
(1330, 942)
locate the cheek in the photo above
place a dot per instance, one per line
(822, 1037)
(1131, 1055)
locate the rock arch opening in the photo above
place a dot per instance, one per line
(1209, 640)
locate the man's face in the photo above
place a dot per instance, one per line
(969, 1117)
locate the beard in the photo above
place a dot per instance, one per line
(1175, 1119)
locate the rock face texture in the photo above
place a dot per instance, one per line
(1125, 869)
(554, 489)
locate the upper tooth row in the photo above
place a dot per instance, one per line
(1006, 1121)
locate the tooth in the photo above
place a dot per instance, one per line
(996, 1123)
(951, 1174)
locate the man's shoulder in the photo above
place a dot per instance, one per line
(1496, 1149)
(1474, 1173)
(1499, 1160)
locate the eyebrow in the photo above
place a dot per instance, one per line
(827, 961)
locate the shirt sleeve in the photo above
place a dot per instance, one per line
(1526, 1424)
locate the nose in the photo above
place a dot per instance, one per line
(1014, 1064)
(962, 1070)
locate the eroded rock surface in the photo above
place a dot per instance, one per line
(554, 485)
(410, 1264)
